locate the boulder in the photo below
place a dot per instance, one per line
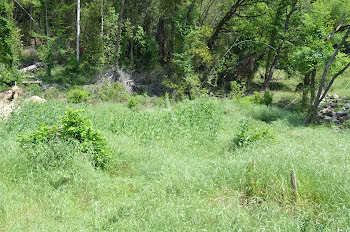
(334, 104)
(335, 120)
(327, 118)
(341, 113)
(36, 99)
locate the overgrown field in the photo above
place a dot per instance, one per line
(190, 166)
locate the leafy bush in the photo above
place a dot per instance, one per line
(133, 103)
(78, 95)
(266, 99)
(113, 92)
(237, 89)
(8, 76)
(247, 135)
(74, 127)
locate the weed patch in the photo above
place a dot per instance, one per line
(247, 135)
(73, 128)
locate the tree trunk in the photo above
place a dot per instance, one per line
(102, 18)
(189, 14)
(119, 30)
(310, 118)
(275, 61)
(306, 89)
(223, 21)
(46, 20)
(78, 28)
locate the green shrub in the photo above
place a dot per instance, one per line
(237, 90)
(257, 98)
(247, 135)
(74, 127)
(114, 92)
(134, 102)
(78, 95)
(266, 99)
(8, 76)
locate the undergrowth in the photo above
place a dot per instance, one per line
(75, 129)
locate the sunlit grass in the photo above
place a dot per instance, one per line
(180, 182)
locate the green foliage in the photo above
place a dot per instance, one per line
(9, 42)
(112, 92)
(195, 122)
(266, 99)
(134, 103)
(78, 95)
(9, 76)
(32, 114)
(238, 90)
(74, 127)
(247, 135)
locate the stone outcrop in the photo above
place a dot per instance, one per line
(335, 109)
(11, 95)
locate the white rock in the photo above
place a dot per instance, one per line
(36, 99)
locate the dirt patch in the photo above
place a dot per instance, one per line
(7, 99)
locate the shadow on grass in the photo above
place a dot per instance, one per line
(270, 114)
(280, 86)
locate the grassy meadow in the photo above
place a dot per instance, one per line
(175, 167)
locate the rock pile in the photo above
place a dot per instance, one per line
(335, 109)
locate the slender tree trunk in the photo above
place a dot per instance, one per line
(223, 21)
(275, 61)
(119, 30)
(306, 88)
(313, 92)
(189, 14)
(268, 61)
(78, 28)
(310, 118)
(46, 20)
(102, 18)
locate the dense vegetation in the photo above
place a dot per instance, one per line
(190, 47)
(176, 169)
(226, 98)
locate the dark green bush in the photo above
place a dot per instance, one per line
(74, 127)
(8, 76)
(266, 99)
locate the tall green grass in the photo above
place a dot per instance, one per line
(175, 170)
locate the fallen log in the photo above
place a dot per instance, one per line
(33, 77)
(33, 67)
(32, 82)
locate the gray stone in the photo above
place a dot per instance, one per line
(333, 104)
(341, 113)
(327, 118)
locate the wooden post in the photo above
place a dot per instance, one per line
(293, 179)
